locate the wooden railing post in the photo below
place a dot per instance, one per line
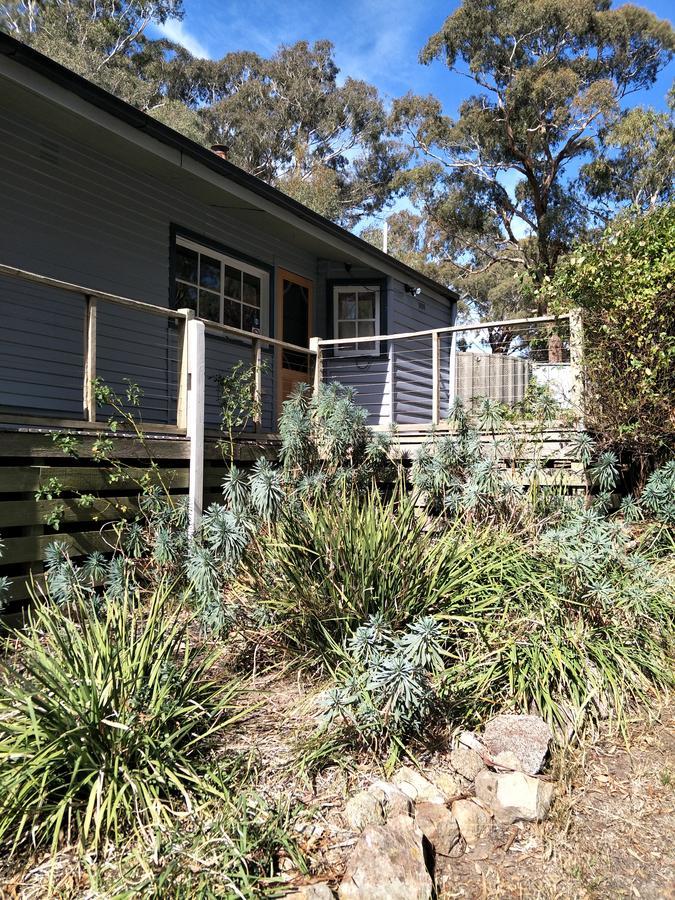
(435, 378)
(88, 392)
(576, 363)
(182, 347)
(315, 347)
(195, 419)
(452, 370)
(256, 348)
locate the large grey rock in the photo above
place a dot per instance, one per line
(363, 809)
(388, 864)
(526, 736)
(514, 796)
(319, 891)
(472, 820)
(439, 827)
(466, 762)
(449, 784)
(393, 800)
(416, 786)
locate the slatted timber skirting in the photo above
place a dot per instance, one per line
(29, 459)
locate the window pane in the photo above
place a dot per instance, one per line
(232, 313)
(367, 306)
(232, 283)
(365, 347)
(346, 329)
(251, 319)
(186, 296)
(251, 290)
(366, 329)
(347, 306)
(209, 306)
(186, 264)
(209, 273)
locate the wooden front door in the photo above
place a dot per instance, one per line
(294, 318)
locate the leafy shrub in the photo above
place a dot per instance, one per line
(107, 721)
(228, 848)
(325, 440)
(385, 682)
(625, 285)
(331, 564)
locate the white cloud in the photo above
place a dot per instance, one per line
(175, 31)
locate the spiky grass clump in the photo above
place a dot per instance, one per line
(106, 722)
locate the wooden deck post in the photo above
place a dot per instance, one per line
(195, 419)
(256, 348)
(435, 378)
(182, 339)
(315, 347)
(89, 376)
(576, 360)
(452, 371)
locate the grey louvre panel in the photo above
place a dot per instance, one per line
(41, 341)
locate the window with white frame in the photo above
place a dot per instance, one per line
(356, 310)
(221, 288)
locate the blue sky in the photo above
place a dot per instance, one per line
(377, 40)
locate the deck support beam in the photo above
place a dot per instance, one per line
(194, 344)
(315, 348)
(89, 375)
(435, 378)
(256, 350)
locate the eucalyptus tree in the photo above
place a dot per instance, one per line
(289, 120)
(501, 178)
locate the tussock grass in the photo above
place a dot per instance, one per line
(106, 722)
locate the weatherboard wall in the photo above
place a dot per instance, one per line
(74, 214)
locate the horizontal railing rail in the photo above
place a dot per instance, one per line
(411, 379)
(92, 297)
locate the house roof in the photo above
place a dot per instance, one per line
(107, 102)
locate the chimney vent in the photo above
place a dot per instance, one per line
(221, 150)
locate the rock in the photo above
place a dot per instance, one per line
(469, 739)
(466, 762)
(439, 827)
(416, 786)
(508, 761)
(363, 809)
(514, 796)
(526, 736)
(312, 892)
(449, 784)
(388, 864)
(472, 820)
(393, 800)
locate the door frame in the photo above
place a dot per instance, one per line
(287, 275)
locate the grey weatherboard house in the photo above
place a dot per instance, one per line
(98, 194)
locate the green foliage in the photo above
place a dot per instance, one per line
(331, 564)
(112, 714)
(228, 848)
(637, 162)
(238, 403)
(325, 440)
(385, 689)
(548, 83)
(625, 285)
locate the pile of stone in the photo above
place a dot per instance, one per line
(412, 827)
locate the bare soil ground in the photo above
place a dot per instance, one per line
(610, 835)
